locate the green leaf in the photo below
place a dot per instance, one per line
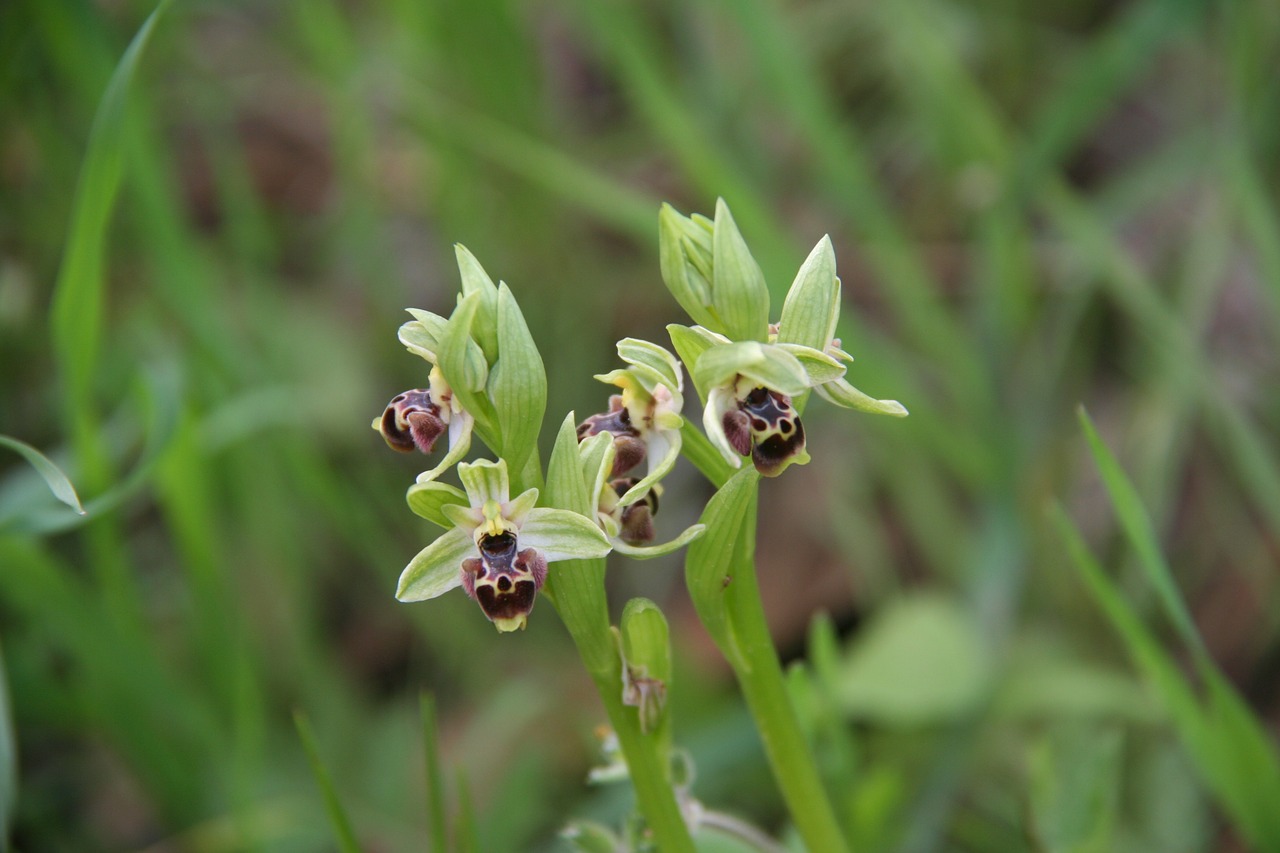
(1074, 792)
(437, 826)
(428, 499)
(679, 240)
(51, 473)
(476, 280)
(846, 396)
(437, 568)
(1230, 748)
(919, 661)
(75, 313)
(738, 291)
(517, 383)
(707, 567)
(812, 306)
(561, 534)
(1137, 526)
(338, 819)
(485, 480)
(8, 761)
(766, 365)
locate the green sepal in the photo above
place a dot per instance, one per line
(476, 280)
(812, 306)
(427, 500)
(518, 508)
(739, 294)
(846, 396)
(685, 258)
(485, 481)
(562, 534)
(421, 335)
(646, 552)
(819, 366)
(566, 487)
(709, 561)
(656, 361)
(437, 568)
(464, 366)
(517, 383)
(766, 365)
(690, 343)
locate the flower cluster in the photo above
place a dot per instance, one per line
(753, 375)
(486, 379)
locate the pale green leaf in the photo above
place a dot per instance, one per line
(710, 557)
(475, 280)
(566, 488)
(49, 472)
(678, 239)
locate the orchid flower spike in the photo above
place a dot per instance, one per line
(644, 419)
(629, 526)
(495, 547)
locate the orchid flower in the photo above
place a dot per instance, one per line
(495, 547)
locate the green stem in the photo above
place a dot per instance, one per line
(760, 676)
(577, 588)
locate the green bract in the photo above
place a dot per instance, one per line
(646, 661)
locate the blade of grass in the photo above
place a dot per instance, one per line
(342, 831)
(52, 474)
(437, 829)
(465, 837)
(8, 762)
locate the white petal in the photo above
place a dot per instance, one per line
(718, 403)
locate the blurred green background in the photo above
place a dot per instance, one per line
(1034, 205)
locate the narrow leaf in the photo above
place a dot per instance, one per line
(342, 830)
(738, 291)
(52, 474)
(517, 384)
(710, 558)
(812, 305)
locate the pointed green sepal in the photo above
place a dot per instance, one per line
(563, 535)
(437, 568)
(812, 305)
(428, 500)
(476, 280)
(766, 365)
(738, 291)
(690, 343)
(517, 383)
(846, 396)
(685, 258)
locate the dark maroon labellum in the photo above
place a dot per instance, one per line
(766, 425)
(504, 580)
(412, 420)
(629, 448)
